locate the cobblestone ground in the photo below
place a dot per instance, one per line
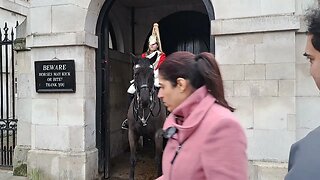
(145, 168)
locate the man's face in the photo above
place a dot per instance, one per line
(314, 57)
(153, 47)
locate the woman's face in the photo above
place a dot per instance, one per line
(153, 47)
(173, 96)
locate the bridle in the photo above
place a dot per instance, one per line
(144, 113)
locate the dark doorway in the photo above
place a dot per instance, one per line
(118, 34)
(185, 31)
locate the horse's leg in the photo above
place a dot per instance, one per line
(133, 160)
(158, 140)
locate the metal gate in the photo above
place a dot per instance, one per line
(8, 121)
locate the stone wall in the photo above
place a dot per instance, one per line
(58, 129)
(259, 45)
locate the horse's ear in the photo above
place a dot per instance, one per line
(134, 58)
(153, 58)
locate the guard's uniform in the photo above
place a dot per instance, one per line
(154, 38)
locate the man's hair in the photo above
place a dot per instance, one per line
(313, 24)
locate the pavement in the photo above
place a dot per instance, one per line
(7, 175)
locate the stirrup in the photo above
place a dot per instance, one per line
(124, 125)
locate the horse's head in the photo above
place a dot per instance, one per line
(143, 79)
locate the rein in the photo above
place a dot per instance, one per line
(140, 113)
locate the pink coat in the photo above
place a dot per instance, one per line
(213, 144)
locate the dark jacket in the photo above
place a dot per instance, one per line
(304, 159)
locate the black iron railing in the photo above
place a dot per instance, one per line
(8, 121)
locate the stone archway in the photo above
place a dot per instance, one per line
(96, 13)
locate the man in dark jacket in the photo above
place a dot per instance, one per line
(304, 159)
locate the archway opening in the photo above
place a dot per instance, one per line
(123, 28)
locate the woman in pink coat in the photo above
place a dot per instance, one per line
(205, 140)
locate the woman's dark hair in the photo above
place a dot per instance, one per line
(313, 23)
(199, 69)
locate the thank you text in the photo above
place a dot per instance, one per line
(55, 76)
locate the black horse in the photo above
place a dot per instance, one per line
(146, 113)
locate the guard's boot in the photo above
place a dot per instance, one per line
(125, 125)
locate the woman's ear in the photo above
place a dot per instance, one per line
(182, 84)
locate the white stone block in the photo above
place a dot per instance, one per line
(42, 54)
(262, 170)
(36, 3)
(68, 18)
(256, 88)
(232, 72)
(24, 133)
(287, 88)
(23, 114)
(81, 3)
(90, 91)
(90, 136)
(44, 111)
(90, 78)
(19, 8)
(272, 112)
(40, 20)
(277, 47)
(305, 84)
(33, 136)
(303, 5)
(266, 88)
(228, 88)
(236, 9)
(71, 111)
(277, 7)
(76, 138)
(244, 110)
(255, 72)
(23, 62)
(63, 165)
(241, 46)
(52, 137)
(80, 77)
(272, 145)
(242, 88)
(24, 109)
(90, 60)
(47, 3)
(280, 71)
(62, 39)
(24, 85)
(90, 111)
(248, 8)
(255, 24)
(292, 122)
(308, 112)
